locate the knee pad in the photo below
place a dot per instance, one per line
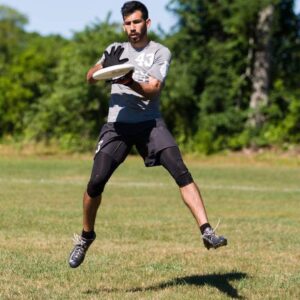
(96, 186)
(104, 166)
(184, 179)
(171, 159)
(182, 176)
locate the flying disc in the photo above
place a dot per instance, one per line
(113, 72)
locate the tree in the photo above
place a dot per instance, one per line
(261, 65)
(12, 37)
(74, 111)
(233, 81)
(212, 43)
(236, 53)
(11, 33)
(282, 114)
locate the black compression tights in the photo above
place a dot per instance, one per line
(171, 159)
(105, 165)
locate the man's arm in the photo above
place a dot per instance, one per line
(149, 90)
(91, 71)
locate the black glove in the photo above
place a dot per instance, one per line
(113, 58)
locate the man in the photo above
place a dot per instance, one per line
(134, 119)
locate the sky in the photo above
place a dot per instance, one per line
(66, 16)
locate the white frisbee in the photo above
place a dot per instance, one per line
(112, 72)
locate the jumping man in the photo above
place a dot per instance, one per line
(134, 119)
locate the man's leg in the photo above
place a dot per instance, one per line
(193, 199)
(171, 159)
(82, 242)
(103, 168)
(90, 208)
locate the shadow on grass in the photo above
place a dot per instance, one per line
(219, 281)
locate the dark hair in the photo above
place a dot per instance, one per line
(131, 6)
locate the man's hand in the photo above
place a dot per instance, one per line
(113, 58)
(125, 79)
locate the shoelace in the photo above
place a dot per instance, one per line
(80, 245)
(77, 240)
(210, 233)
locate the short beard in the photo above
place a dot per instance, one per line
(139, 37)
(134, 40)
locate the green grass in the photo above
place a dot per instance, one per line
(148, 244)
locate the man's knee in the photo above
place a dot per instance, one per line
(181, 174)
(171, 159)
(184, 179)
(104, 166)
(96, 186)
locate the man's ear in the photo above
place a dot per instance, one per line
(148, 23)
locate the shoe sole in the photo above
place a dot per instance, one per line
(217, 246)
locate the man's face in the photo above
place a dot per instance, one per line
(136, 27)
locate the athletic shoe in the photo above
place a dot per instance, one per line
(78, 253)
(211, 240)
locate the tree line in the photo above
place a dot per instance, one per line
(234, 80)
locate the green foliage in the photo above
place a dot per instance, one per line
(283, 126)
(214, 43)
(12, 37)
(179, 101)
(11, 33)
(215, 54)
(73, 111)
(44, 95)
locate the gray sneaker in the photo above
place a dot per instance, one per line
(78, 253)
(211, 240)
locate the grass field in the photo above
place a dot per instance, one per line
(148, 244)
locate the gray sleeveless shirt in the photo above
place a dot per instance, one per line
(126, 105)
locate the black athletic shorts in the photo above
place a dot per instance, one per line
(149, 137)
